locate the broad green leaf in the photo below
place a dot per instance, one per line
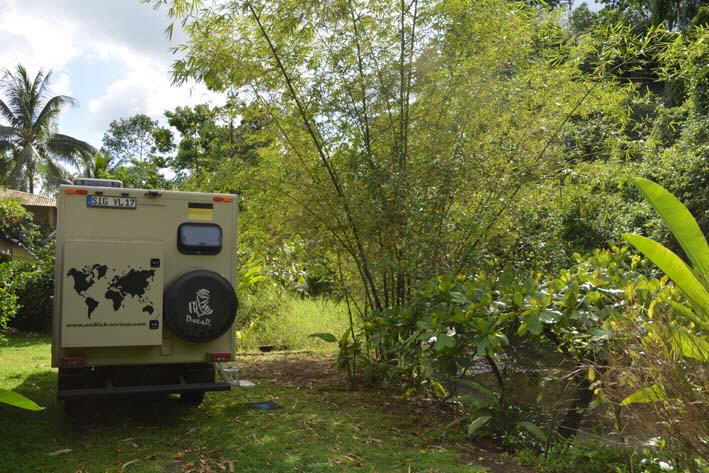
(534, 324)
(533, 429)
(326, 337)
(549, 316)
(454, 422)
(689, 345)
(477, 423)
(459, 298)
(444, 341)
(438, 389)
(18, 400)
(687, 313)
(653, 393)
(673, 267)
(681, 223)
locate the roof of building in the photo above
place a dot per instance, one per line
(26, 198)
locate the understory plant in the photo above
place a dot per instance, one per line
(456, 322)
(667, 349)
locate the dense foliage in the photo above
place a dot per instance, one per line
(458, 175)
(27, 289)
(16, 224)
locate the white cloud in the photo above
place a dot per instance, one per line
(97, 35)
(36, 41)
(61, 84)
(145, 90)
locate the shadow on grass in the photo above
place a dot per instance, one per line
(23, 340)
(145, 410)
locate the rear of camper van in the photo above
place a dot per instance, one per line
(144, 299)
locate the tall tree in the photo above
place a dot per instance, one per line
(406, 130)
(674, 14)
(131, 138)
(31, 145)
(211, 136)
(134, 151)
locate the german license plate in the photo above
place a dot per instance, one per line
(110, 202)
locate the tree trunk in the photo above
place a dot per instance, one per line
(30, 169)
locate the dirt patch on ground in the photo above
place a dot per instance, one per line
(318, 373)
(304, 370)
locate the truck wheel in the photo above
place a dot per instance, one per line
(192, 399)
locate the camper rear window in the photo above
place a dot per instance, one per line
(199, 238)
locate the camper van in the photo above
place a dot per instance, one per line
(144, 299)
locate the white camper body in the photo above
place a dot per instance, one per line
(144, 295)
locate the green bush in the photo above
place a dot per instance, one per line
(8, 302)
(26, 295)
(16, 223)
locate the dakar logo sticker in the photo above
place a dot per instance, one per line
(199, 309)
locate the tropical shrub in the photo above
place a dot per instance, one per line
(26, 292)
(16, 224)
(668, 349)
(8, 302)
(592, 456)
(453, 321)
(34, 289)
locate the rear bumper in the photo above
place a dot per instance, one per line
(119, 391)
(117, 381)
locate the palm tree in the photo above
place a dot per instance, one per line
(30, 146)
(100, 166)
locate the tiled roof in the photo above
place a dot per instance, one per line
(26, 198)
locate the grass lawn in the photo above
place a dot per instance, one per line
(320, 426)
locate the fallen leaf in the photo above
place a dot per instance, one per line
(129, 463)
(59, 452)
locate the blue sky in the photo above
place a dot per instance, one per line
(592, 4)
(111, 55)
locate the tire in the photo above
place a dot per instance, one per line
(192, 399)
(200, 306)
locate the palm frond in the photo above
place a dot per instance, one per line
(6, 146)
(70, 149)
(28, 97)
(32, 93)
(7, 114)
(40, 86)
(55, 175)
(49, 114)
(13, 87)
(7, 132)
(16, 175)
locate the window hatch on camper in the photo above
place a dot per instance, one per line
(199, 238)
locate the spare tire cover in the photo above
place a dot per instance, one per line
(199, 306)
